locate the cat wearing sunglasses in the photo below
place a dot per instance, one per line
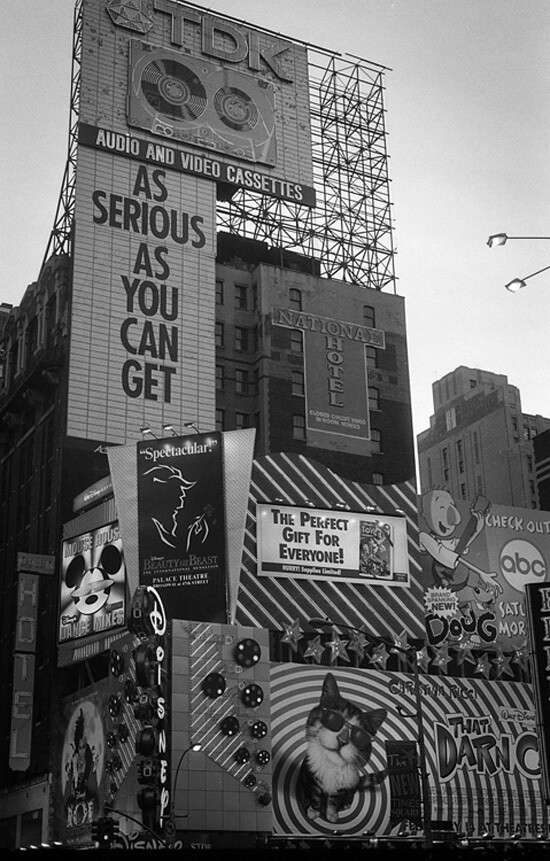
(339, 744)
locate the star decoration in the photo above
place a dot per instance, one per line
(379, 656)
(358, 644)
(483, 665)
(502, 663)
(441, 658)
(464, 652)
(402, 644)
(521, 656)
(292, 634)
(423, 659)
(314, 649)
(338, 647)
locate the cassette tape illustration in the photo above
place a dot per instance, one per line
(202, 104)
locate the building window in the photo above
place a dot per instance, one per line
(296, 343)
(242, 382)
(241, 296)
(368, 316)
(460, 455)
(473, 384)
(254, 297)
(299, 426)
(463, 491)
(295, 299)
(378, 478)
(220, 376)
(219, 420)
(219, 292)
(298, 384)
(376, 440)
(450, 418)
(430, 473)
(374, 398)
(475, 438)
(241, 339)
(371, 357)
(446, 472)
(242, 420)
(515, 424)
(219, 335)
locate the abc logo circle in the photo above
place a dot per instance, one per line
(521, 562)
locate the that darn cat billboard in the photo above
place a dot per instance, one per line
(181, 525)
(312, 543)
(482, 752)
(477, 559)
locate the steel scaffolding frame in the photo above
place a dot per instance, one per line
(349, 233)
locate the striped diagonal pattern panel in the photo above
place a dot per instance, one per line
(273, 602)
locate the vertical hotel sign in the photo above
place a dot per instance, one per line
(181, 525)
(538, 614)
(336, 381)
(30, 566)
(172, 101)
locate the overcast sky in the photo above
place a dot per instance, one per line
(468, 121)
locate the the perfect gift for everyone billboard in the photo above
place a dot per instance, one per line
(332, 545)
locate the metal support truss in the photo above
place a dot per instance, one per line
(349, 233)
(60, 241)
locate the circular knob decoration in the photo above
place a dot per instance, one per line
(111, 739)
(250, 780)
(258, 729)
(247, 652)
(214, 685)
(144, 657)
(130, 693)
(230, 725)
(117, 663)
(115, 704)
(264, 798)
(123, 732)
(252, 696)
(263, 757)
(242, 755)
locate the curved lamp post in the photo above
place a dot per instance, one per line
(412, 653)
(501, 239)
(196, 747)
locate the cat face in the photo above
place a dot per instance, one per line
(339, 726)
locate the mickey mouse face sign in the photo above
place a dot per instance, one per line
(90, 587)
(93, 587)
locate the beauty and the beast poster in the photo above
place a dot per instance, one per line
(182, 548)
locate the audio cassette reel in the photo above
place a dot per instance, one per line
(202, 104)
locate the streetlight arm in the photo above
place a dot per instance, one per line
(109, 809)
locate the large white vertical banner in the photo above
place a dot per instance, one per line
(142, 345)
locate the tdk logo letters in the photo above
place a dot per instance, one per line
(223, 40)
(521, 563)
